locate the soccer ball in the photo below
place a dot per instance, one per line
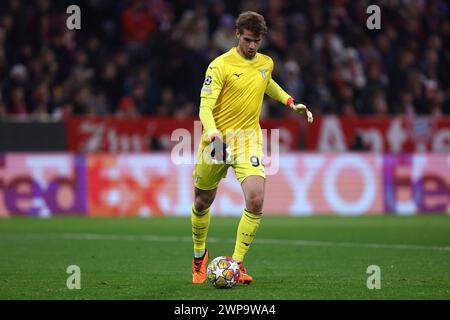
(223, 272)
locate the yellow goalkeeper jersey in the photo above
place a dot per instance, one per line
(233, 92)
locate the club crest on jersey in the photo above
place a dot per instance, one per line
(263, 72)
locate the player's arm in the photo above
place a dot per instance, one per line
(212, 135)
(209, 93)
(208, 96)
(207, 119)
(274, 91)
(214, 79)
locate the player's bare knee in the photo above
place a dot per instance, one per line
(202, 203)
(254, 202)
(203, 199)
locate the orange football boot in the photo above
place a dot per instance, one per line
(244, 278)
(199, 269)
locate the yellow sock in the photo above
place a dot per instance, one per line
(245, 233)
(200, 225)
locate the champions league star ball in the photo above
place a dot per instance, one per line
(223, 272)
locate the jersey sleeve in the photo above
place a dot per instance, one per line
(214, 79)
(274, 91)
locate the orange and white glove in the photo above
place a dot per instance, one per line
(301, 109)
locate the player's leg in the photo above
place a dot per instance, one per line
(206, 179)
(200, 218)
(252, 177)
(253, 188)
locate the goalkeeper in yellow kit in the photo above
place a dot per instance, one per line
(231, 99)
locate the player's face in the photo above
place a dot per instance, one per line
(248, 43)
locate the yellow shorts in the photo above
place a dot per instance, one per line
(207, 175)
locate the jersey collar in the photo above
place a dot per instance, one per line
(241, 58)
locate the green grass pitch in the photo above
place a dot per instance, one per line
(320, 257)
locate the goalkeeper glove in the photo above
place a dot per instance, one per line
(302, 110)
(220, 152)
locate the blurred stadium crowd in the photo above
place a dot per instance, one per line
(148, 57)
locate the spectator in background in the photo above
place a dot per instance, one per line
(18, 81)
(193, 29)
(327, 48)
(366, 50)
(277, 36)
(83, 101)
(348, 110)
(224, 37)
(376, 80)
(138, 25)
(378, 104)
(186, 110)
(385, 51)
(127, 108)
(292, 78)
(406, 104)
(398, 73)
(345, 98)
(139, 96)
(78, 80)
(98, 105)
(151, 93)
(414, 83)
(41, 99)
(430, 64)
(63, 111)
(351, 69)
(167, 106)
(18, 106)
(109, 81)
(320, 95)
(434, 98)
